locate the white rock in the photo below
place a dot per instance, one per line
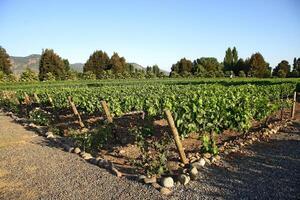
(184, 179)
(165, 191)
(167, 182)
(77, 150)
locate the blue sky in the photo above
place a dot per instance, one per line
(152, 31)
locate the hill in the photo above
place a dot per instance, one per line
(19, 63)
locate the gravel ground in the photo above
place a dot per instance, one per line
(32, 168)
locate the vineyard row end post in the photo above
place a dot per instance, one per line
(106, 110)
(75, 111)
(294, 105)
(176, 137)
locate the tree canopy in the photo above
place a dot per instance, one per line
(53, 63)
(5, 64)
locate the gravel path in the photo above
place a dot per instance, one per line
(33, 168)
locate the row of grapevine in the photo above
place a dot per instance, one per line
(196, 107)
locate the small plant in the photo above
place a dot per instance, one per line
(154, 155)
(40, 117)
(93, 139)
(209, 144)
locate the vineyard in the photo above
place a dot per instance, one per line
(207, 108)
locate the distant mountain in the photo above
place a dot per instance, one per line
(19, 64)
(137, 66)
(77, 67)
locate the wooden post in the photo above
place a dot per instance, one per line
(294, 105)
(75, 111)
(51, 101)
(106, 110)
(27, 99)
(176, 137)
(37, 99)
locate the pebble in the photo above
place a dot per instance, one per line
(183, 179)
(116, 172)
(207, 155)
(156, 185)
(167, 182)
(122, 151)
(150, 180)
(194, 173)
(77, 150)
(165, 191)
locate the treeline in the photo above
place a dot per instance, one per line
(101, 66)
(232, 65)
(98, 66)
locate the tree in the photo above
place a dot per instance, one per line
(97, 63)
(228, 59)
(117, 64)
(184, 65)
(207, 67)
(296, 66)
(235, 56)
(283, 67)
(51, 62)
(29, 76)
(5, 64)
(242, 73)
(259, 67)
(240, 66)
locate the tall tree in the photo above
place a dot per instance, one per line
(117, 64)
(228, 60)
(282, 69)
(235, 56)
(51, 62)
(5, 64)
(259, 67)
(207, 66)
(182, 66)
(97, 63)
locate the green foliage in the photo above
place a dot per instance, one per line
(5, 64)
(184, 65)
(259, 67)
(28, 76)
(49, 77)
(282, 69)
(153, 153)
(40, 117)
(209, 144)
(242, 73)
(97, 63)
(51, 62)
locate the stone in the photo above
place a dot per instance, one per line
(217, 157)
(184, 179)
(141, 177)
(77, 150)
(94, 161)
(150, 180)
(50, 135)
(207, 155)
(207, 161)
(87, 156)
(167, 182)
(194, 173)
(116, 172)
(165, 191)
(193, 159)
(181, 164)
(156, 185)
(122, 151)
(102, 163)
(199, 164)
